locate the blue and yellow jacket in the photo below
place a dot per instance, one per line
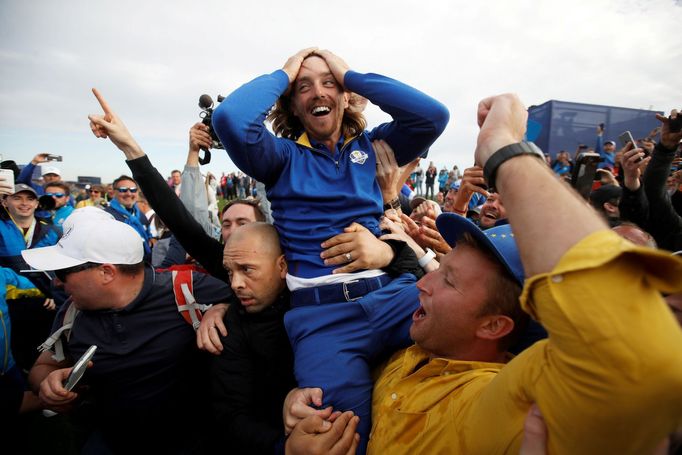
(316, 193)
(12, 286)
(12, 243)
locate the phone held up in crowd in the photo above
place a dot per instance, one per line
(584, 172)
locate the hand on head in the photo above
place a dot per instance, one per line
(337, 66)
(293, 64)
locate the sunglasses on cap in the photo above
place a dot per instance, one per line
(125, 189)
(63, 273)
(55, 194)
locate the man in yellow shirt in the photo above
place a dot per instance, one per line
(608, 379)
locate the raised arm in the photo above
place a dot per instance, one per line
(161, 197)
(665, 224)
(526, 178)
(599, 297)
(418, 119)
(193, 191)
(238, 121)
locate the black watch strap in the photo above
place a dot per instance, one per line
(505, 153)
(392, 204)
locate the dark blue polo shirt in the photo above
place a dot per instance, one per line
(147, 371)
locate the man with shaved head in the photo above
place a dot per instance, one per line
(254, 370)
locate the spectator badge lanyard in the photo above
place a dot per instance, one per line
(28, 235)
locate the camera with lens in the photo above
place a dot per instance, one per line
(206, 105)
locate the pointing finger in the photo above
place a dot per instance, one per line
(102, 101)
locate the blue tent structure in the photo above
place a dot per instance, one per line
(561, 125)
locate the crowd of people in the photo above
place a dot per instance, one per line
(348, 298)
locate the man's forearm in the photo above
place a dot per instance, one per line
(556, 219)
(190, 234)
(43, 366)
(656, 173)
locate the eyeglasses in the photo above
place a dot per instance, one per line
(55, 194)
(95, 191)
(125, 189)
(63, 273)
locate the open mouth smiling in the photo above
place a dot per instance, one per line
(490, 214)
(319, 111)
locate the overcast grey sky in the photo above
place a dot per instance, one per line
(152, 60)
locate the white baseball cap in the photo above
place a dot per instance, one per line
(85, 214)
(49, 170)
(89, 237)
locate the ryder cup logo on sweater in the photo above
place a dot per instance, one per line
(358, 157)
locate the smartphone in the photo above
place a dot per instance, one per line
(8, 177)
(79, 368)
(626, 137)
(53, 157)
(584, 173)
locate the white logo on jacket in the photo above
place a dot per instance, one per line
(358, 157)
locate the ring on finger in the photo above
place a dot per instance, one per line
(349, 257)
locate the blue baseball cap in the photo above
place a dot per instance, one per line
(455, 185)
(499, 240)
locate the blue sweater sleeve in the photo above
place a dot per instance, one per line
(418, 119)
(599, 146)
(26, 173)
(238, 121)
(25, 177)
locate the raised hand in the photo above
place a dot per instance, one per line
(422, 210)
(634, 163)
(40, 158)
(293, 64)
(336, 64)
(502, 120)
(109, 125)
(199, 137)
(431, 236)
(669, 139)
(388, 172)
(472, 182)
